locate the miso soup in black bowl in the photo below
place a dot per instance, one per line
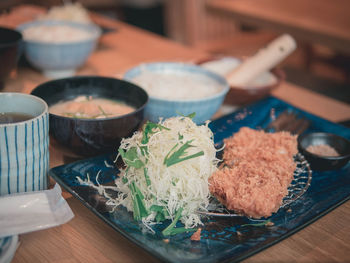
(81, 135)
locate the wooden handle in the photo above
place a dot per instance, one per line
(264, 60)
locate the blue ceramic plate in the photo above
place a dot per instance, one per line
(222, 239)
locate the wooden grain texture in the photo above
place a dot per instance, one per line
(87, 238)
(323, 21)
(196, 28)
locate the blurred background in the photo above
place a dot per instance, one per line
(322, 68)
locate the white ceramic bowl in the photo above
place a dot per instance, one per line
(59, 59)
(161, 106)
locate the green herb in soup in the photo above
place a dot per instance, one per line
(87, 107)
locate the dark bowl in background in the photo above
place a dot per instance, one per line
(242, 96)
(10, 51)
(320, 162)
(78, 138)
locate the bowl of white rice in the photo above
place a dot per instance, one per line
(58, 48)
(179, 89)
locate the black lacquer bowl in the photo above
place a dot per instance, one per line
(320, 162)
(10, 50)
(90, 137)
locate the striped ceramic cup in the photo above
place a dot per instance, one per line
(24, 143)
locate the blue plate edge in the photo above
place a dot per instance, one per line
(284, 102)
(86, 204)
(291, 232)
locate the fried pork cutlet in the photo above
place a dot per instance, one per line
(258, 168)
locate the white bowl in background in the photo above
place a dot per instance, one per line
(178, 88)
(60, 58)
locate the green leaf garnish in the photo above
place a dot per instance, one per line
(130, 157)
(178, 230)
(139, 207)
(156, 208)
(161, 211)
(148, 181)
(167, 231)
(191, 115)
(178, 156)
(257, 224)
(171, 150)
(148, 130)
(172, 230)
(124, 178)
(103, 112)
(159, 208)
(80, 115)
(135, 201)
(160, 217)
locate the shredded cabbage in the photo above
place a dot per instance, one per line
(167, 169)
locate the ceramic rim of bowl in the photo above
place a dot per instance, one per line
(181, 67)
(94, 29)
(323, 134)
(138, 109)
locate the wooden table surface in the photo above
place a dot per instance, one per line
(322, 21)
(87, 239)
